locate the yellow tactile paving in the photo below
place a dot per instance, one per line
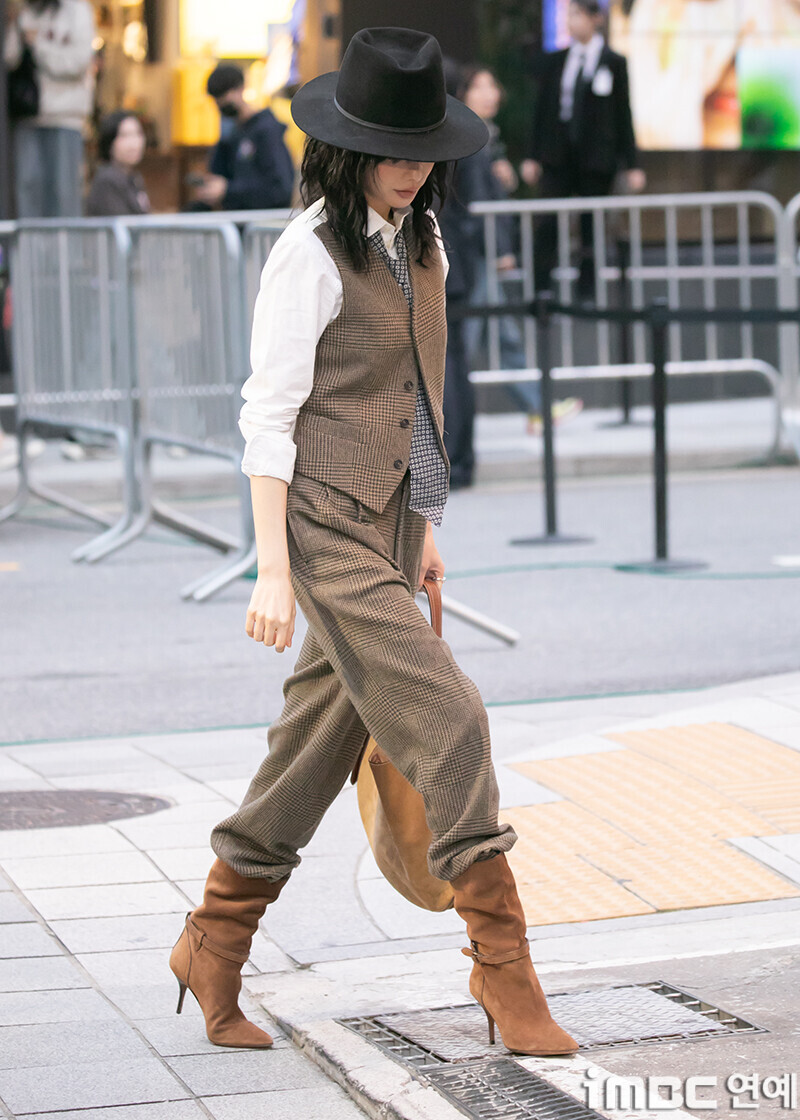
(647, 828)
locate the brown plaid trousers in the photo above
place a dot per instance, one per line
(370, 662)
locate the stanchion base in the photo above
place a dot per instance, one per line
(552, 538)
(623, 423)
(659, 567)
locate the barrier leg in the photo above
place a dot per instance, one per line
(480, 621)
(107, 542)
(661, 562)
(17, 503)
(552, 535)
(209, 585)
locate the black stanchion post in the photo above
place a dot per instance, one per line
(658, 320)
(658, 329)
(544, 322)
(543, 348)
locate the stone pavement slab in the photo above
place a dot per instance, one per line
(94, 1027)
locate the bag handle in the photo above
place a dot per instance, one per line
(433, 589)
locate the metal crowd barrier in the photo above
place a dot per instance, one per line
(790, 337)
(188, 360)
(71, 353)
(138, 328)
(135, 329)
(693, 250)
(258, 237)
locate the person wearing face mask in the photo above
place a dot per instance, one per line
(117, 187)
(250, 167)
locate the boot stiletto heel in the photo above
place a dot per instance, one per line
(208, 956)
(503, 980)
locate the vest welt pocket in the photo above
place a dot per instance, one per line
(337, 429)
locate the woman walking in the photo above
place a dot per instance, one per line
(343, 423)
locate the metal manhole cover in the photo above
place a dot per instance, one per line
(488, 1090)
(597, 1018)
(58, 808)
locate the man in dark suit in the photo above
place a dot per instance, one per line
(582, 134)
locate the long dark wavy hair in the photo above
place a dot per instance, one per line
(339, 176)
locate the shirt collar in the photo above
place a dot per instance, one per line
(591, 51)
(388, 229)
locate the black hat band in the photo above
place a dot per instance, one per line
(387, 127)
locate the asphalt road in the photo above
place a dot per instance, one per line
(111, 649)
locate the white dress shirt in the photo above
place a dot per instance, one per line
(300, 294)
(581, 58)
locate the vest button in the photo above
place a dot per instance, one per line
(398, 464)
(404, 422)
(408, 386)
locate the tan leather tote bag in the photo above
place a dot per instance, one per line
(394, 814)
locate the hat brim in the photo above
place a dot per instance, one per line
(461, 134)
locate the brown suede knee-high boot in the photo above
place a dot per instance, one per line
(208, 956)
(503, 979)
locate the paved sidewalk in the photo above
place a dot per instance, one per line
(659, 841)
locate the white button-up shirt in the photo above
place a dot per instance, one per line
(300, 294)
(581, 58)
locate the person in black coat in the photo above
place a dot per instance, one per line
(582, 134)
(250, 167)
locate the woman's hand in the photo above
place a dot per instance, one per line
(272, 610)
(432, 565)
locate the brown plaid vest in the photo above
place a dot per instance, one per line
(354, 430)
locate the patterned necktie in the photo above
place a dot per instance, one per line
(429, 477)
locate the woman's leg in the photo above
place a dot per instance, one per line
(29, 172)
(354, 577)
(353, 573)
(64, 148)
(313, 746)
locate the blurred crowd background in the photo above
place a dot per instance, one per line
(714, 90)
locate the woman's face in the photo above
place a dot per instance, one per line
(129, 143)
(483, 95)
(394, 183)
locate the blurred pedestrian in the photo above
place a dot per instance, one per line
(53, 39)
(462, 240)
(117, 187)
(485, 176)
(582, 135)
(343, 425)
(250, 167)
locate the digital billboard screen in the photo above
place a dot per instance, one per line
(705, 73)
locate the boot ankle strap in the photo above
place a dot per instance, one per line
(496, 958)
(205, 942)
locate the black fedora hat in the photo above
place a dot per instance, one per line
(389, 99)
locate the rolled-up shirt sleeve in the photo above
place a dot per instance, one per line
(299, 295)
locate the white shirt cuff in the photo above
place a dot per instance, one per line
(271, 454)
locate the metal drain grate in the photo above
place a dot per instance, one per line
(502, 1088)
(600, 1018)
(58, 808)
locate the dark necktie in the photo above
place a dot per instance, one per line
(429, 480)
(582, 84)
